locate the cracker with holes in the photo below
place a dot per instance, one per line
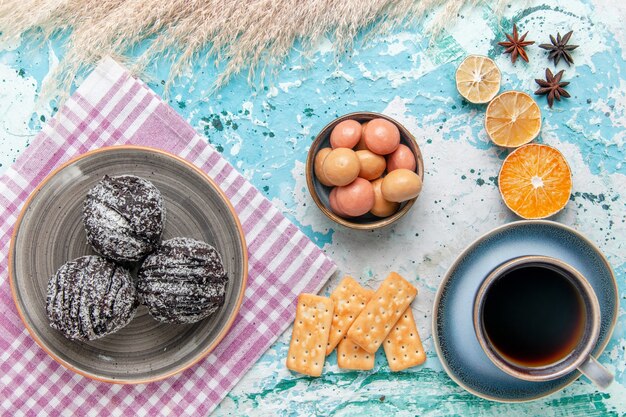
(307, 350)
(349, 299)
(352, 356)
(403, 347)
(382, 311)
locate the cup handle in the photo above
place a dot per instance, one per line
(597, 373)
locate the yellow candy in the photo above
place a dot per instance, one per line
(401, 185)
(341, 166)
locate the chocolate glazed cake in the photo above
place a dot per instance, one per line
(124, 217)
(183, 281)
(90, 297)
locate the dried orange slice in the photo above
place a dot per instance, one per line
(478, 79)
(535, 181)
(512, 119)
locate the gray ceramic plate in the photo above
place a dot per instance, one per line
(453, 327)
(49, 232)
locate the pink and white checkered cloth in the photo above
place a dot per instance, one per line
(109, 108)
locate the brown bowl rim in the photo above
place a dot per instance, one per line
(183, 367)
(310, 180)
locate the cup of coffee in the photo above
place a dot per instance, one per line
(537, 318)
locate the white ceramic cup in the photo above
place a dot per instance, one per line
(579, 358)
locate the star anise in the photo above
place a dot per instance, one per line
(552, 86)
(515, 46)
(559, 48)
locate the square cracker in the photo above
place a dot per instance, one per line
(403, 346)
(383, 310)
(349, 299)
(307, 350)
(352, 356)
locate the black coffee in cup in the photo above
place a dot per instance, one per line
(537, 318)
(534, 315)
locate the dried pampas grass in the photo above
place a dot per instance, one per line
(250, 34)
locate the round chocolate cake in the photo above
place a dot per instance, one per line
(124, 217)
(90, 297)
(184, 281)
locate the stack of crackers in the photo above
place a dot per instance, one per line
(356, 321)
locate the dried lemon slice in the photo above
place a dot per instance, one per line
(478, 79)
(535, 181)
(512, 119)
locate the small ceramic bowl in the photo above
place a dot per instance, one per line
(320, 192)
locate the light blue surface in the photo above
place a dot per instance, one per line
(266, 131)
